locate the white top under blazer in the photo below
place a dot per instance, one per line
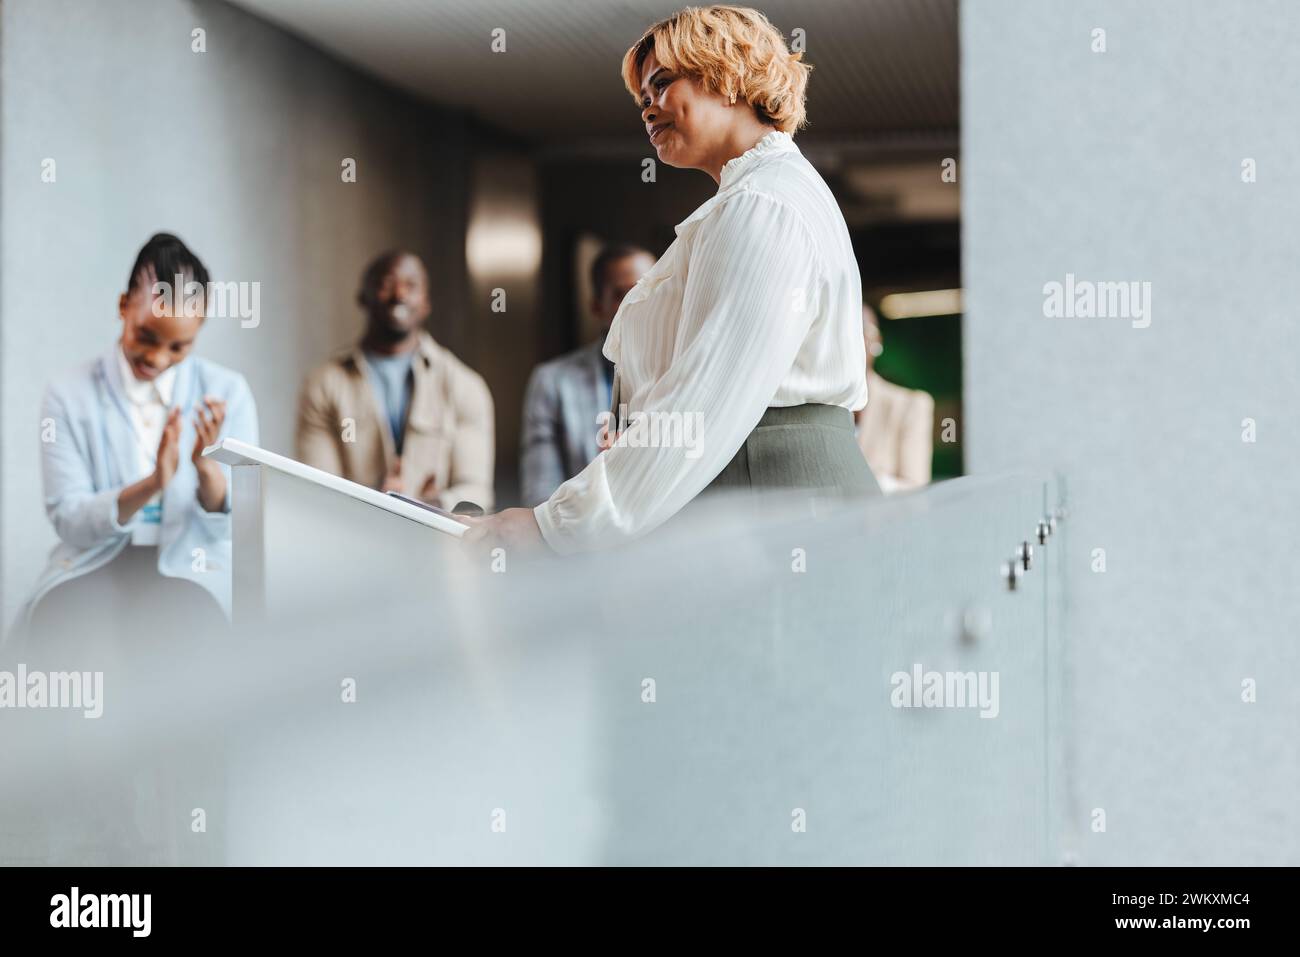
(756, 303)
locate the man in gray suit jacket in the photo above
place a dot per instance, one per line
(565, 396)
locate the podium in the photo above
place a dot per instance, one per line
(307, 540)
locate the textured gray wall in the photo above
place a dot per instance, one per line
(1127, 165)
(237, 150)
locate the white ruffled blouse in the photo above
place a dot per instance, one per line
(756, 303)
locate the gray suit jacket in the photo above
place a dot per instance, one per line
(562, 406)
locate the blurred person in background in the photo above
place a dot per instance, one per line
(566, 396)
(397, 411)
(749, 323)
(143, 519)
(896, 429)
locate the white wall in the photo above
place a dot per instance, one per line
(237, 150)
(1126, 165)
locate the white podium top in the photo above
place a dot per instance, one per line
(235, 452)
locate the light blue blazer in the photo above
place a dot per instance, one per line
(88, 453)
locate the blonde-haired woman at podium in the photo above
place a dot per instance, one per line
(749, 324)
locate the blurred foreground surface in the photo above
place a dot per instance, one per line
(720, 694)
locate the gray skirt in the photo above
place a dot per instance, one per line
(809, 447)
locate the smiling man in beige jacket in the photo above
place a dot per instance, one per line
(398, 412)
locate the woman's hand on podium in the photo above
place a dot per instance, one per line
(514, 529)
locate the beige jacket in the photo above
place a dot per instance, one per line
(896, 434)
(449, 431)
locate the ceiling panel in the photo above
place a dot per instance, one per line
(885, 71)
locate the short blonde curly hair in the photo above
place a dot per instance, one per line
(734, 51)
